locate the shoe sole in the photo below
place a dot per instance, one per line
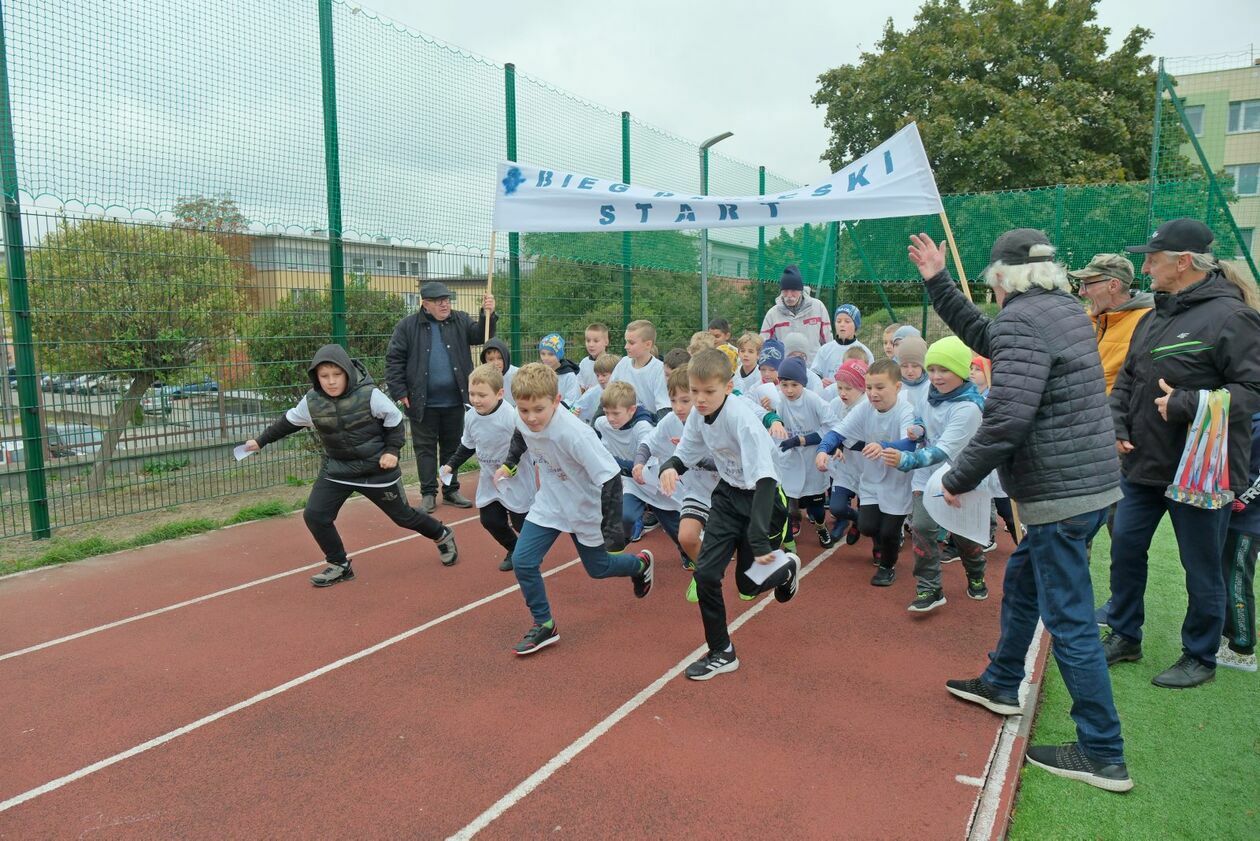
(548, 641)
(991, 706)
(795, 582)
(336, 580)
(1085, 777)
(887, 583)
(928, 608)
(505, 567)
(1125, 658)
(1238, 667)
(457, 504)
(712, 673)
(1155, 682)
(979, 597)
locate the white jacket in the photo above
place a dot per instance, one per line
(811, 321)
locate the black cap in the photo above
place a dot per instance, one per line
(1012, 247)
(1177, 235)
(791, 279)
(433, 290)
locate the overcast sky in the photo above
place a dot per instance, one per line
(748, 67)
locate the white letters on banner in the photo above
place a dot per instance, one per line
(893, 179)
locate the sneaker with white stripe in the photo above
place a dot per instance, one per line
(713, 664)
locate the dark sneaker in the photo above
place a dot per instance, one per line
(333, 574)
(824, 535)
(1118, 649)
(1103, 614)
(539, 636)
(636, 531)
(428, 503)
(456, 499)
(884, 577)
(1071, 762)
(927, 600)
(447, 550)
(785, 591)
(852, 536)
(712, 664)
(978, 692)
(649, 521)
(977, 589)
(505, 565)
(688, 564)
(1185, 673)
(643, 580)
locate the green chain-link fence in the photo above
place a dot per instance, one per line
(196, 197)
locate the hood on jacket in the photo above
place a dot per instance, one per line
(502, 348)
(356, 374)
(1213, 286)
(641, 413)
(1140, 301)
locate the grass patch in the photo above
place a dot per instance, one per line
(263, 510)
(1194, 754)
(157, 467)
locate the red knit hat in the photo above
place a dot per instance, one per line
(852, 373)
(985, 365)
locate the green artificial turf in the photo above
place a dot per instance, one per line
(1193, 754)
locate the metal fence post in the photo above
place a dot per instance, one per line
(626, 288)
(20, 312)
(514, 239)
(1060, 200)
(870, 268)
(332, 172)
(1156, 131)
(761, 248)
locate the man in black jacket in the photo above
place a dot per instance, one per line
(427, 365)
(1047, 431)
(1202, 335)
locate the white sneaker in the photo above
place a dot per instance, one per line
(1227, 658)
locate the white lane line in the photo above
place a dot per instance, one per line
(158, 611)
(534, 780)
(261, 696)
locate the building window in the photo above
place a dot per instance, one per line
(1244, 116)
(380, 264)
(1246, 178)
(1194, 115)
(415, 268)
(1248, 236)
(356, 264)
(307, 295)
(412, 300)
(402, 267)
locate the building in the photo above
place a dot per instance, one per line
(289, 267)
(1223, 107)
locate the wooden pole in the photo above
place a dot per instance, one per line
(953, 247)
(489, 285)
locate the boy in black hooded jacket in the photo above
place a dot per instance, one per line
(361, 432)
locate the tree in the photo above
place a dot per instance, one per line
(147, 301)
(220, 218)
(1007, 95)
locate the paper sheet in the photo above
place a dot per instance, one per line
(446, 477)
(760, 572)
(970, 520)
(240, 452)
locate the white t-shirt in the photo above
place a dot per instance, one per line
(696, 484)
(845, 472)
(648, 382)
(804, 415)
(567, 385)
(880, 485)
(950, 425)
(491, 435)
(745, 384)
(573, 467)
(586, 374)
(623, 443)
(768, 391)
(737, 441)
(507, 384)
(382, 407)
(831, 356)
(587, 405)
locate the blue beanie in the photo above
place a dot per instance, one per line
(793, 369)
(791, 280)
(852, 312)
(905, 331)
(553, 342)
(771, 354)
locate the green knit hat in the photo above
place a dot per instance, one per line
(950, 353)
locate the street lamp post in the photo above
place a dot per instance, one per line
(704, 232)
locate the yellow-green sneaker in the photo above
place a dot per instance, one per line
(692, 596)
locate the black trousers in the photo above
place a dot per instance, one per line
(884, 530)
(435, 439)
(726, 534)
(503, 525)
(326, 500)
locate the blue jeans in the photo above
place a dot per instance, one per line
(632, 509)
(1200, 542)
(1048, 576)
(527, 557)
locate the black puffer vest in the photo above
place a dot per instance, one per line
(353, 438)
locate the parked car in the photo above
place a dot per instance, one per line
(74, 438)
(206, 386)
(53, 382)
(157, 400)
(12, 376)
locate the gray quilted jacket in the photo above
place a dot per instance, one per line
(1047, 427)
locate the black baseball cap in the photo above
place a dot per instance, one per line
(433, 290)
(1013, 246)
(1177, 235)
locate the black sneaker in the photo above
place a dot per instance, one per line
(447, 550)
(977, 589)
(1118, 649)
(712, 664)
(333, 574)
(978, 692)
(1071, 762)
(539, 636)
(852, 536)
(824, 535)
(505, 565)
(927, 600)
(649, 521)
(643, 580)
(785, 591)
(884, 577)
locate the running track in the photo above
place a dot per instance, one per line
(242, 702)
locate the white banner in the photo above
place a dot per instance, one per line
(893, 179)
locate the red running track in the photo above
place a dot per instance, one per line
(836, 725)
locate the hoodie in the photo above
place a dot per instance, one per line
(1114, 329)
(509, 370)
(355, 428)
(808, 319)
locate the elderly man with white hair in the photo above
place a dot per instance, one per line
(1048, 432)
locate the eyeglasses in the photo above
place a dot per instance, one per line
(1081, 284)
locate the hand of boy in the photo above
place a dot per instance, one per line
(637, 474)
(764, 559)
(873, 451)
(501, 474)
(766, 404)
(914, 432)
(669, 481)
(822, 461)
(778, 430)
(827, 381)
(892, 457)
(388, 461)
(251, 446)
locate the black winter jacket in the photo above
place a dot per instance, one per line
(1046, 425)
(1203, 337)
(407, 357)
